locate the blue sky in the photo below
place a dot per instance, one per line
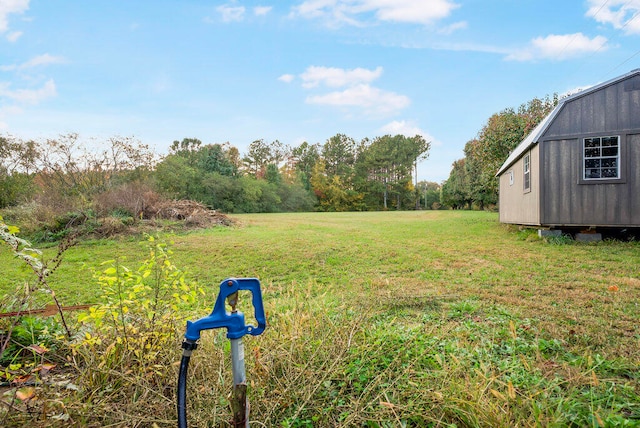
(299, 71)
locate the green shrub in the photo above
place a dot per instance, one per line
(128, 343)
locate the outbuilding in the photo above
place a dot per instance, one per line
(579, 169)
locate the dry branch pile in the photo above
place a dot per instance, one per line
(193, 213)
(151, 207)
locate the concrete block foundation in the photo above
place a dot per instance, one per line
(544, 233)
(588, 237)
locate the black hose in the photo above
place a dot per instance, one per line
(188, 347)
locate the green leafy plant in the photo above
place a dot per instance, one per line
(30, 336)
(24, 296)
(128, 342)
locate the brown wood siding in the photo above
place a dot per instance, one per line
(516, 205)
(566, 202)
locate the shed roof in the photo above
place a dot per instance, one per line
(534, 136)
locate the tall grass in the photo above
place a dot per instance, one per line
(395, 319)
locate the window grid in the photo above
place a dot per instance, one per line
(601, 158)
(527, 172)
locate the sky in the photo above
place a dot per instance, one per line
(238, 70)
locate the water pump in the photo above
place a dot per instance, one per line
(234, 322)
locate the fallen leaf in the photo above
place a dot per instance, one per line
(26, 393)
(18, 380)
(44, 369)
(38, 349)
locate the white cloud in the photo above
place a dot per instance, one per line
(14, 36)
(402, 127)
(357, 90)
(407, 129)
(10, 6)
(559, 47)
(621, 14)
(261, 10)
(29, 96)
(44, 59)
(39, 60)
(231, 13)
(450, 29)
(287, 78)
(373, 100)
(415, 11)
(315, 8)
(338, 12)
(337, 77)
(574, 91)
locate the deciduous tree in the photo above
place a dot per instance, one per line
(498, 137)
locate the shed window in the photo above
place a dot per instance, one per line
(527, 172)
(601, 158)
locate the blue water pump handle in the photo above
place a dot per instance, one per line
(232, 321)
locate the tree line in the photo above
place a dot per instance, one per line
(339, 175)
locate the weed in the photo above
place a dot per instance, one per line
(44, 333)
(563, 239)
(462, 309)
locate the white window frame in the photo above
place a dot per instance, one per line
(526, 172)
(599, 159)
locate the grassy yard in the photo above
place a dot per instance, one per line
(433, 318)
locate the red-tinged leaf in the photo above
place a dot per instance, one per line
(18, 380)
(26, 393)
(44, 369)
(38, 349)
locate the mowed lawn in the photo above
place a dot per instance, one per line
(413, 318)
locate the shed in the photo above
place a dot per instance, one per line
(580, 167)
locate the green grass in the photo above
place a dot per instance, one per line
(434, 318)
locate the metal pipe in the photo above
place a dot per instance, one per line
(237, 362)
(239, 403)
